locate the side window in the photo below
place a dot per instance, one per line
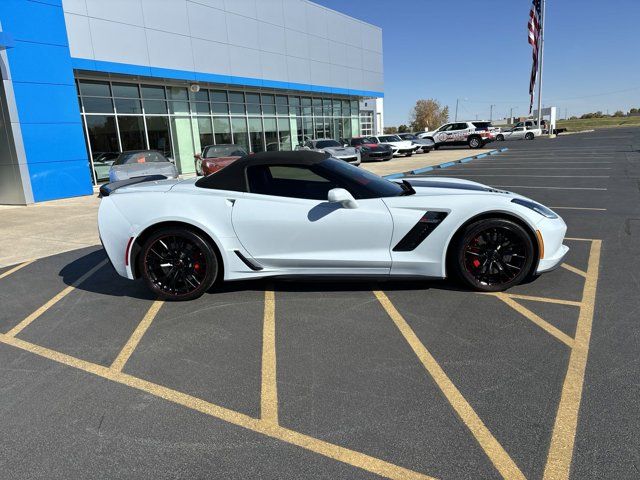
(459, 126)
(288, 181)
(445, 128)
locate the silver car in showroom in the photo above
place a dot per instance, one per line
(334, 148)
(140, 163)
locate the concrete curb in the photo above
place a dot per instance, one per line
(444, 165)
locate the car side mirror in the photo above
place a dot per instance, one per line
(173, 160)
(343, 197)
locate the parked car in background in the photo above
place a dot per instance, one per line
(399, 146)
(425, 145)
(371, 150)
(520, 131)
(462, 133)
(334, 148)
(141, 163)
(102, 164)
(216, 157)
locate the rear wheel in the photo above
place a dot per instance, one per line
(178, 264)
(528, 136)
(408, 154)
(493, 255)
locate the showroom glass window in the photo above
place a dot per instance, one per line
(180, 121)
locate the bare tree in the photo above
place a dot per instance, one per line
(428, 114)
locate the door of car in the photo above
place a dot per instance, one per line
(286, 223)
(517, 133)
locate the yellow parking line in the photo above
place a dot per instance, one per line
(542, 323)
(496, 453)
(518, 296)
(564, 431)
(269, 391)
(15, 269)
(335, 452)
(575, 270)
(27, 321)
(124, 355)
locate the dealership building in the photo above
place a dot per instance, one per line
(84, 79)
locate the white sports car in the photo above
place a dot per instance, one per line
(305, 213)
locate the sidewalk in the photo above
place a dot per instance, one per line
(420, 160)
(47, 228)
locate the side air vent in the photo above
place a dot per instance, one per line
(420, 231)
(247, 262)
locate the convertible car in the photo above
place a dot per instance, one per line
(308, 214)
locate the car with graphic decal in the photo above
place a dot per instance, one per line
(474, 134)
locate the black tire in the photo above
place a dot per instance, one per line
(408, 154)
(436, 147)
(529, 136)
(500, 137)
(474, 142)
(178, 264)
(492, 255)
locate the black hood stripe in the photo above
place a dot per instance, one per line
(457, 186)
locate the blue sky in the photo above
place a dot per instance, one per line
(477, 49)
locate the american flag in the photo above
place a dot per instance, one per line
(534, 41)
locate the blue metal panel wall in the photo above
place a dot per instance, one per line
(46, 98)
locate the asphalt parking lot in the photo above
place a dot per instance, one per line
(292, 380)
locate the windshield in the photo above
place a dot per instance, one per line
(128, 158)
(327, 144)
(217, 151)
(361, 183)
(390, 138)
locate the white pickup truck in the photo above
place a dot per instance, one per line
(527, 130)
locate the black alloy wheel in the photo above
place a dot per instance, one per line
(493, 255)
(528, 136)
(500, 138)
(178, 264)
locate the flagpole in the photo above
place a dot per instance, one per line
(540, 60)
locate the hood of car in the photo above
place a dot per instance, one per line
(452, 186)
(401, 144)
(338, 151)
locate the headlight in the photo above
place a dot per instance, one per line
(536, 207)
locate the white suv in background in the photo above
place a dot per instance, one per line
(527, 130)
(398, 145)
(474, 134)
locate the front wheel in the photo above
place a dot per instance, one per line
(493, 255)
(178, 264)
(500, 138)
(408, 154)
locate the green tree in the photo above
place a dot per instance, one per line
(403, 129)
(428, 114)
(618, 113)
(634, 110)
(390, 130)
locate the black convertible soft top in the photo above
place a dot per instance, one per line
(233, 177)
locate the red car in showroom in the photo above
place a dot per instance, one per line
(370, 150)
(216, 157)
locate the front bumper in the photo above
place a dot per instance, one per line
(352, 159)
(381, 155)
(552, 231)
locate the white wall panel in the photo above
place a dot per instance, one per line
(124, 11)
(79, 35)
(207, 22)
(168, 50)
(244, 62)
(270, 11)
(242, 31)
(118, 42)
(293, 41)
(167, 16)
(271, 38)
(210, 57)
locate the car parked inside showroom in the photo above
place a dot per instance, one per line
(215, 157)
(425, 145)
(399, 146)
(140, 163)
(341, 151)
(304, 213)
(370, 149)
(461, 133)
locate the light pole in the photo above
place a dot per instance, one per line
(491, 112)
(456, 115)
(511, 115)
